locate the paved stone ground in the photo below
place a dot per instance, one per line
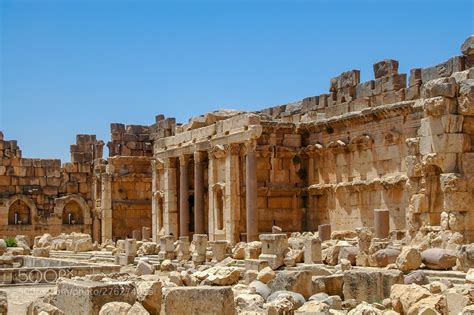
(20, 296)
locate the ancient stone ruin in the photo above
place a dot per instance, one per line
(357, 201)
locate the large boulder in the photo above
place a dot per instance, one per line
(149, 295)
(199, 300)
(403, 296)
(349, 253)
(313, 307)
(137, 309)
(438, 258)
(224, 276)
(260, 288)
(370, 285)
(115, 308)
(266, 275)
(384, 257)
(466, 257)
(41, 307)
(365, 308)
(409, 259)
(296, 299)
(83, 245)
(416, 277)
(434, 304)
(144, 268)
(296, 281)
(45, 240)
(248, 302)
(332, 284)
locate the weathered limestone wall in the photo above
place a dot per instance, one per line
(40, 196)
(403, 145)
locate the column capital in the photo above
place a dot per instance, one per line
(170, 162)
(250, 145)
(216, 152)
(233, 148)
(200, 156)
(157, 163)
(184, 160)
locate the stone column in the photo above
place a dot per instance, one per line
(251, 192)
(170, 216)
(324, 231)
(199, 192)
(183, 196)
(106, 208)
(183, 248)
(312, 251)
(154, 201)
(231, 193)
(219, 250)
(381, 223)
(166, 248)
(273, 249)
(200, 246)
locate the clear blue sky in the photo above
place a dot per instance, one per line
(70, 66)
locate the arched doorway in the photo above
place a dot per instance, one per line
(19, 213)
(72, 213)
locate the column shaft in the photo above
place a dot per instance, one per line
(251, 194)
(183, 196)
(198, 194)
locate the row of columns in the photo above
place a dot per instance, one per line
(199, 213)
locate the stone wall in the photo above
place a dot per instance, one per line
(402, 143)
(40, 196)
(390, 143)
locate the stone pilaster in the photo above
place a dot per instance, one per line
(106, 208)
(154, 201)
(251, 191)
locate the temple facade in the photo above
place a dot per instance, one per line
(400, 143)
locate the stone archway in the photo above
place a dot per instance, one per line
(72, 213)
(73, 207)
(20, 210)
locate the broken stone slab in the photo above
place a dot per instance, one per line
(77, 297)
(199, 300)
(409, 259)
(131, 247)
(273, 249)
(296, 281)
(183, 248)
(466, 257)
(312, 251)
(113, 308)
(200, 246)
(324, 232)
(385, 67)
(166, 247)
(149, 294)
(219, 250)
(296, 299)
(438, 258)
(446, 87)
(371, 285)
